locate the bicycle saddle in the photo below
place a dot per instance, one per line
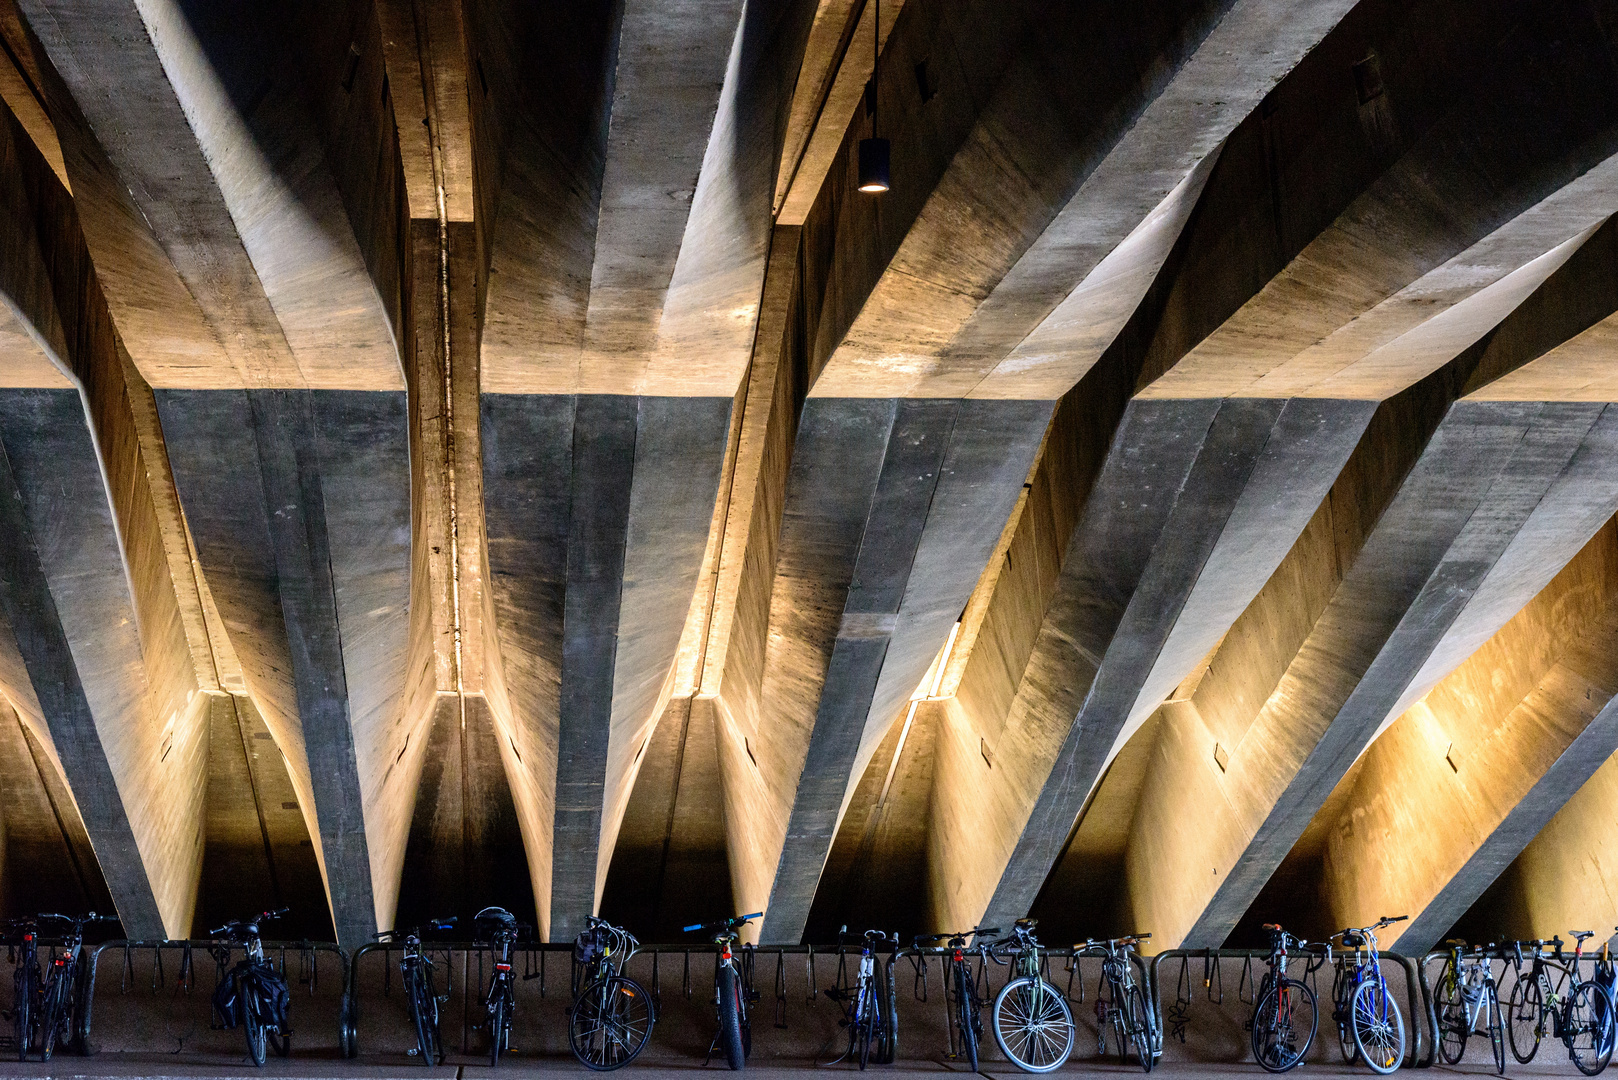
(1353, 941)
(1580, 935)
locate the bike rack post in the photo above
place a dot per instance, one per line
(1420, 1005)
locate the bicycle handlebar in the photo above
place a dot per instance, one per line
(724, 924)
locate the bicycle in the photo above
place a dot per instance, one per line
(733, 992)
(612, 1015)
(1283, 1010)
(253, 995)
(26, 984)
(1123, 1006)
(501, 1001)
(867, 1007)
(421, 996)
(1579, 1016)
(1362, 1004)
(59, 1001)
(1467, 995)
(965, 1008)
(1032, 1022)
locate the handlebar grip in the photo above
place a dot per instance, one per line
(983, 931)
(691, 929)
(1271, 926)
(755, 915)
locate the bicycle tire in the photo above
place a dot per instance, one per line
(890, 1021)
(53, 1017)
(1379, 1027)
(1140, 1032)
(1023, 1009)
(967, 1015)
(610, 1023)
(424, 1012)
(730, 1017)
(866, 1027)
(1587, 1029)
(499, 1017)
(1120, 1026)
(1523, 1020)
(1278, 1020)
(1454, 1026)
(253, 1025)
(1341, 991)
(1497, 1026)
(23, 1018)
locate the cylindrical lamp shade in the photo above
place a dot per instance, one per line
(873, 165)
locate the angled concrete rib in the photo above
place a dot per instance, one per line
(62, 591)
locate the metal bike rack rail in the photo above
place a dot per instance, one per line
(1415, 985)
(187, 970)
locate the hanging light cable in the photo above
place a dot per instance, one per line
(874, 151)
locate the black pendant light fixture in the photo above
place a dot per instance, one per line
(874, 151)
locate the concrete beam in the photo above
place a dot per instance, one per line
(893, 559)
(1494, 750)
(299, 504)
(214, 217)
(598, 511)
(61, 574)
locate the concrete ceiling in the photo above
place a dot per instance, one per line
(487, 451)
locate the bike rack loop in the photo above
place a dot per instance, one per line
(1415, 976)
(192, 945)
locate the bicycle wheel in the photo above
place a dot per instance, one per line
(1497, 1027)
(730, 1017)
(1341, 991)
(889, 1042)
(424, 1014)
(499, 1018)
(966, 1015)
(253, 1025)
(870, 1021)
(610, 1022)
(1284, 1023)
(1587, 1028)
(1120, 1026)
(1379, 1029)
(22, 1015)
(50, 1021)
(1453, 1024)
(1033, 1025)
(1523, 1025)
(1140, 1031)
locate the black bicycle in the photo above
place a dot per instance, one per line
(612, 1015)
(23, 937)
(253, 995)
(1553, 1000)
(1284, 1015)
(421, 995)
(873, 1029)
(960, 990)
(1123, 1006)
(732, 990)
(501, 930)
(63, 989)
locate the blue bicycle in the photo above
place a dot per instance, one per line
(1368, 1019)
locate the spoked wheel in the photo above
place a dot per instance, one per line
(424, 1011)
(1497, 1027)
(730, 1017)
(870, 1022)
(966, 1011)
(1587, 1028)
(1379, 1029)
(1523, 1020)
(1453, 1025)
(1283, 1025)
(52, 1019)
(1140, 1030)
(23, 1016)
(610, 1023)
(253, 1026)
(499, 1021)
(1033, 1024)
(1341, 992)
(890, 1022)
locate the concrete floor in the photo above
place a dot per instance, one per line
(311, 1068)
